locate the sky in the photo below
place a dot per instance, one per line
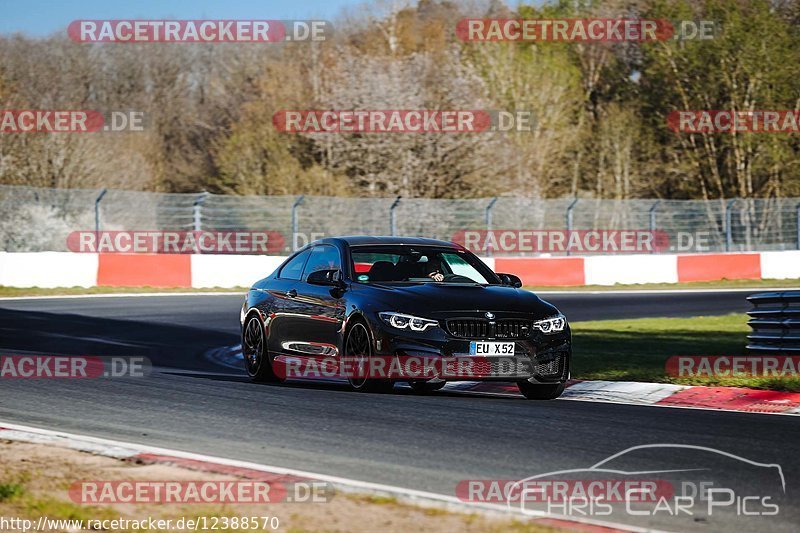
(43, 17)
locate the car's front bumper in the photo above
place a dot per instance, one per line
(538, 358)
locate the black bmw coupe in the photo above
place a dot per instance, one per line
(376, 310)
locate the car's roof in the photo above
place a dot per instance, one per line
(362, 240)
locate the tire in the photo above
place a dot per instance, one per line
(254, 350)
(535, 391)
(357, 345)
(424, 387)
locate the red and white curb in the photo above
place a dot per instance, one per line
(144, 454)
(662, 395)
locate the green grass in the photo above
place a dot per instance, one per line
(638, 349)
(66, 291)
(63, 510)
(722, 284)
(9, 491)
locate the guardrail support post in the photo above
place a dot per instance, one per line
(392, 219)
(728, 224)
(798, 225)
(97, 213)
(295, 205)
(489, 223)
(569, 218)
(652, 213)
(197, 211)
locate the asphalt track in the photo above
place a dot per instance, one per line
(421, 442)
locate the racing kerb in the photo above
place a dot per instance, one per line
(65, 269)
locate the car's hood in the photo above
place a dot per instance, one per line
(442, 299)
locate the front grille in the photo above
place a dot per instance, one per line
(512, 329)
(480, 328)
(469, 328)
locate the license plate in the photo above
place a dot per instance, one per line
(491, 348)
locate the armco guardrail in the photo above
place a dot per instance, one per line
(775, 321)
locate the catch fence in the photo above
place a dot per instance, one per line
(40, 219)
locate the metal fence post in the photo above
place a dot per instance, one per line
(728, 224)
(197, 211)
(798, 225)
(652, 213)
(295, 205)
(97, 212)
(489, 223)
(569, 218)
(392, 220)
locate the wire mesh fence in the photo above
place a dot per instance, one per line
(40, 219)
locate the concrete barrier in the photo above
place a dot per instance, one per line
(65, 269)
(231, 270)
(629, 269)
(48, 269)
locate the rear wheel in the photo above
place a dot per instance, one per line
(536, 391)
(423, 387)
(256, 360)
(358, 348)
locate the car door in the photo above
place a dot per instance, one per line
(286, 308)
(323, 307)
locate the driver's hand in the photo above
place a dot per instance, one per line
(436, 276)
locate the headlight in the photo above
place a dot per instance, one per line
(401, 321)
(551, 325)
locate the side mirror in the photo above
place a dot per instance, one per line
(331, 278)
(510, 279)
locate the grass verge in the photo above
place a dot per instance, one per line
(67, 291)
(36, 478)
(722, 284)
(638, 349)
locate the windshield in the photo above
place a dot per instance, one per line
(406, 264)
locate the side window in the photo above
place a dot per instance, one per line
(294, 268)
(323, 257)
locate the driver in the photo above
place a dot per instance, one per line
(433, 269)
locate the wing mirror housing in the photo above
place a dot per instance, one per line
(331, 278)
(510, 279)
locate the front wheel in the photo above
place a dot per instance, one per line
(536, 391)
(254, 350)
(358, 348)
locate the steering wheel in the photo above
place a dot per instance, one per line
(457, 278)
